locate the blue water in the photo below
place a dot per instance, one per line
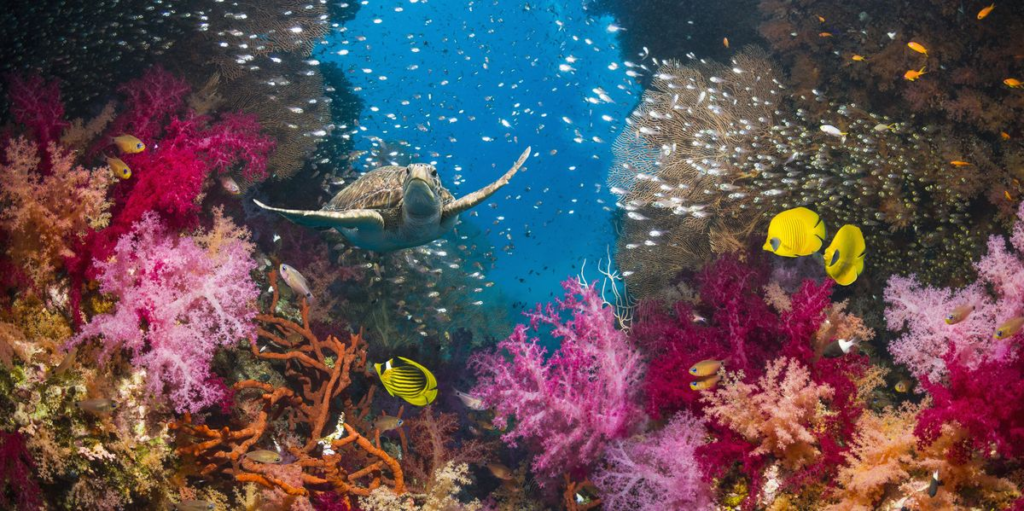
(478, 64)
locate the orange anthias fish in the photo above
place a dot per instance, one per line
(1004, 135)
(1013, 83)
(912, 75)
(984, 12)
(821, 19)
(725, 41)
(958, 163)
(918, 48)
(825, 34)
(858, 58)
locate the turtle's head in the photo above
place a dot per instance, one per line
(420, 191)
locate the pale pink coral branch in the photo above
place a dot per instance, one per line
(566, 408)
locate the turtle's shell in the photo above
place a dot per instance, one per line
(379, 189)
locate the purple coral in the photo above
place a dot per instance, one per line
(921, 311)
(657, 471)
(569, 406)
(177, 303)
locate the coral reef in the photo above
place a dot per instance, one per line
(325, 458)
(565, 407)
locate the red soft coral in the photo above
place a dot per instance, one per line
(36, 105)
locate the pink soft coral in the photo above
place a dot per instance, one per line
(920, 311)
(178, 301)
(569, 406)
(656, 471)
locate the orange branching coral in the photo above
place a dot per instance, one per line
(887, 468)
(840, 324)
(44, 215)
(881, 454)
(574, 489)
(324, 368)
(778, 412)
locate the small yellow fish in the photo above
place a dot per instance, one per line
(98, 406)
(795, 232)
(844, 257)
(194, 505)
(387, 423)
(725, 41)
(904, 385)
(408, 380)
(128, 144)
(958, 163)
(1006, 193)
(1004, 135)
(119, 167)
(857, 58)
(912, 75)
(959, 314)
(705, 384)
(500, 471)
(984, 12)
(1009, 328)
(825, 34)
(1013, 83)
(705, 368)
(265, 456)
(917, 47)
(821, 19)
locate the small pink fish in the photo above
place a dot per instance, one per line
(229, 185)
(296, 281)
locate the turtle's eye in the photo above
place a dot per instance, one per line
(433, 172)
(408, 171)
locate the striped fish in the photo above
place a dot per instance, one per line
(408, 380)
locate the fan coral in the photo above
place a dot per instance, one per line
(656, 471)
(178, 302)
(921, 311)
(569, 406)
(46, 213)
(778, 413)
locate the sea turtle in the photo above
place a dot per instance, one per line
(395, 207)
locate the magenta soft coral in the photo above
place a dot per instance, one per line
(18, 490)
(987, 401)
(566, 407)
(739, 329)
(177, 303)
(36, 105)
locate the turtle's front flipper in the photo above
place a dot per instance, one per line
(352, 218)
(458, 206)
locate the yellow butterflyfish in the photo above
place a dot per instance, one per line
(844, 257)
(795, 232)
(120, 168)
(408, 380)
(128, 144)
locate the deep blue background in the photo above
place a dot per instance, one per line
(443, 75)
